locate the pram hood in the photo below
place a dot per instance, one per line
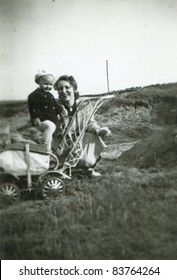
(15, 159)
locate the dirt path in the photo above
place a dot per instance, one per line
(114, 151)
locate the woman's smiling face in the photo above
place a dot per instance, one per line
(66, 92)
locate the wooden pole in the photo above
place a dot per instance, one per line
(107, 74)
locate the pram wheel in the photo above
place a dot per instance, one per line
(9, 193)
(52, 187)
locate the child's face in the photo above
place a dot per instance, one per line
(46, 83)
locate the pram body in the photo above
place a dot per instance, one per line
(29, 167)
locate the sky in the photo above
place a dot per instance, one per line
(76, 37)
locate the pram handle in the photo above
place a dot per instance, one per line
(71, 141)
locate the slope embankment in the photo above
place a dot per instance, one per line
(145, 124)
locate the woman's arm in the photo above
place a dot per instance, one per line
(93, 127)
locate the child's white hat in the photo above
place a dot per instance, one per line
(42, 73)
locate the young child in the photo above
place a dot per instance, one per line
(43, 108)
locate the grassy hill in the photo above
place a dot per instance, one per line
(128, 213)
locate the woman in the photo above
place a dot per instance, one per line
(92, 144)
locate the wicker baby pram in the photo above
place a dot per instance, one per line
(29, 167)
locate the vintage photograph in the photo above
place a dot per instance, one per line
(88, 130)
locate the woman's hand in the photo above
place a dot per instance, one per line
(104, 132)
(63, 112)
(36, 122)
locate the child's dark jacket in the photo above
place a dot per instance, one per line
(43, 105)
